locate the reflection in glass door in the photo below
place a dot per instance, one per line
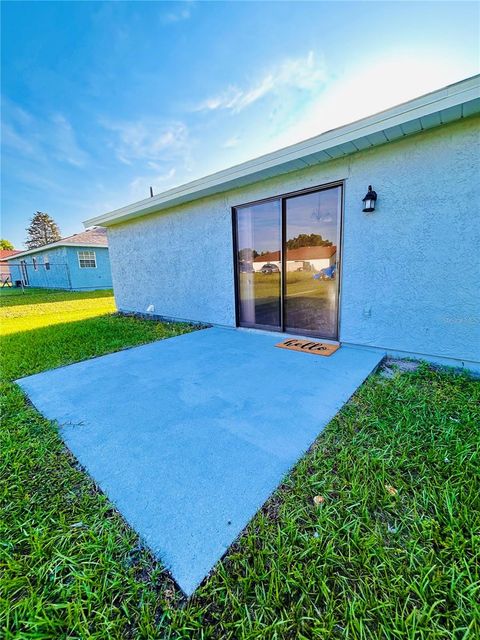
(259, 243)
(311, 291)
(286, 263)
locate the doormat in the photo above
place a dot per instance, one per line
(318, 348)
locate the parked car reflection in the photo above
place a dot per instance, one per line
(326, 274)
(270, 268)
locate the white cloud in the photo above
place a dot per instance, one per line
(304, 73)
(47, 139)
(166, 177)
(365, 89)
(14, 140)
(231, 142)
(65, 146)
(182, 12)
(148, 140)
(17, 113)
(140, 186)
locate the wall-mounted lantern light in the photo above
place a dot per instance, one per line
(369, 200)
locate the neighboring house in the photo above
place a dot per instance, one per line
(301, 259)
(77, 262)
(406, 276)
(5, 275)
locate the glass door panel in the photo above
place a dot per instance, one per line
(311, 279)
(259, 266)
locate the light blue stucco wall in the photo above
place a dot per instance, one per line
(90, 278)
(64, 272)
(410, 270)
(57, 277)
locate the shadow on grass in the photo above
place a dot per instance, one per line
(15, 297)
(28, 352)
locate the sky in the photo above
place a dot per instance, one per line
(260, 227)
(101, 100)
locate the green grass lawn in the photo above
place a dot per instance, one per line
(39, 308)
(392, 550)
(267, 286)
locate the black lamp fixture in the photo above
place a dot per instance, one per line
(369, 200)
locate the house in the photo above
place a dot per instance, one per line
(407, 263)
(309, 258)
(5, 276)
(77, 262)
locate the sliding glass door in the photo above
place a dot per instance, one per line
(311, 291)
(259, 233)
(286, 259)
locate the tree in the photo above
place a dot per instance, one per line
(307, 240)
(6, 244)
(42, 230)
(247, 254)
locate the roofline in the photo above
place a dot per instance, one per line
(382, 127)
(53, 245)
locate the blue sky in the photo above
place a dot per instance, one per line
(101, 100)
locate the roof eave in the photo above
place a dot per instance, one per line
(452, 102)
(53, 246)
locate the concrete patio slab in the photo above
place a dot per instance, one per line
(189, 436)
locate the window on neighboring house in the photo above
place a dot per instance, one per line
(87, 259)
(35, 265)
(46, 262)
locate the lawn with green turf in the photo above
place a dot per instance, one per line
(391, 550)
(266, 286)
(39, 308)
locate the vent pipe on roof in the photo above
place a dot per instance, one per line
(151, 192)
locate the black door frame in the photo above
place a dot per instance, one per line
(339, 243)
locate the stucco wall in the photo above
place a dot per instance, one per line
(64, 271)
(181, 262)
(56, 277)
(410, 270)
(99, 277)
